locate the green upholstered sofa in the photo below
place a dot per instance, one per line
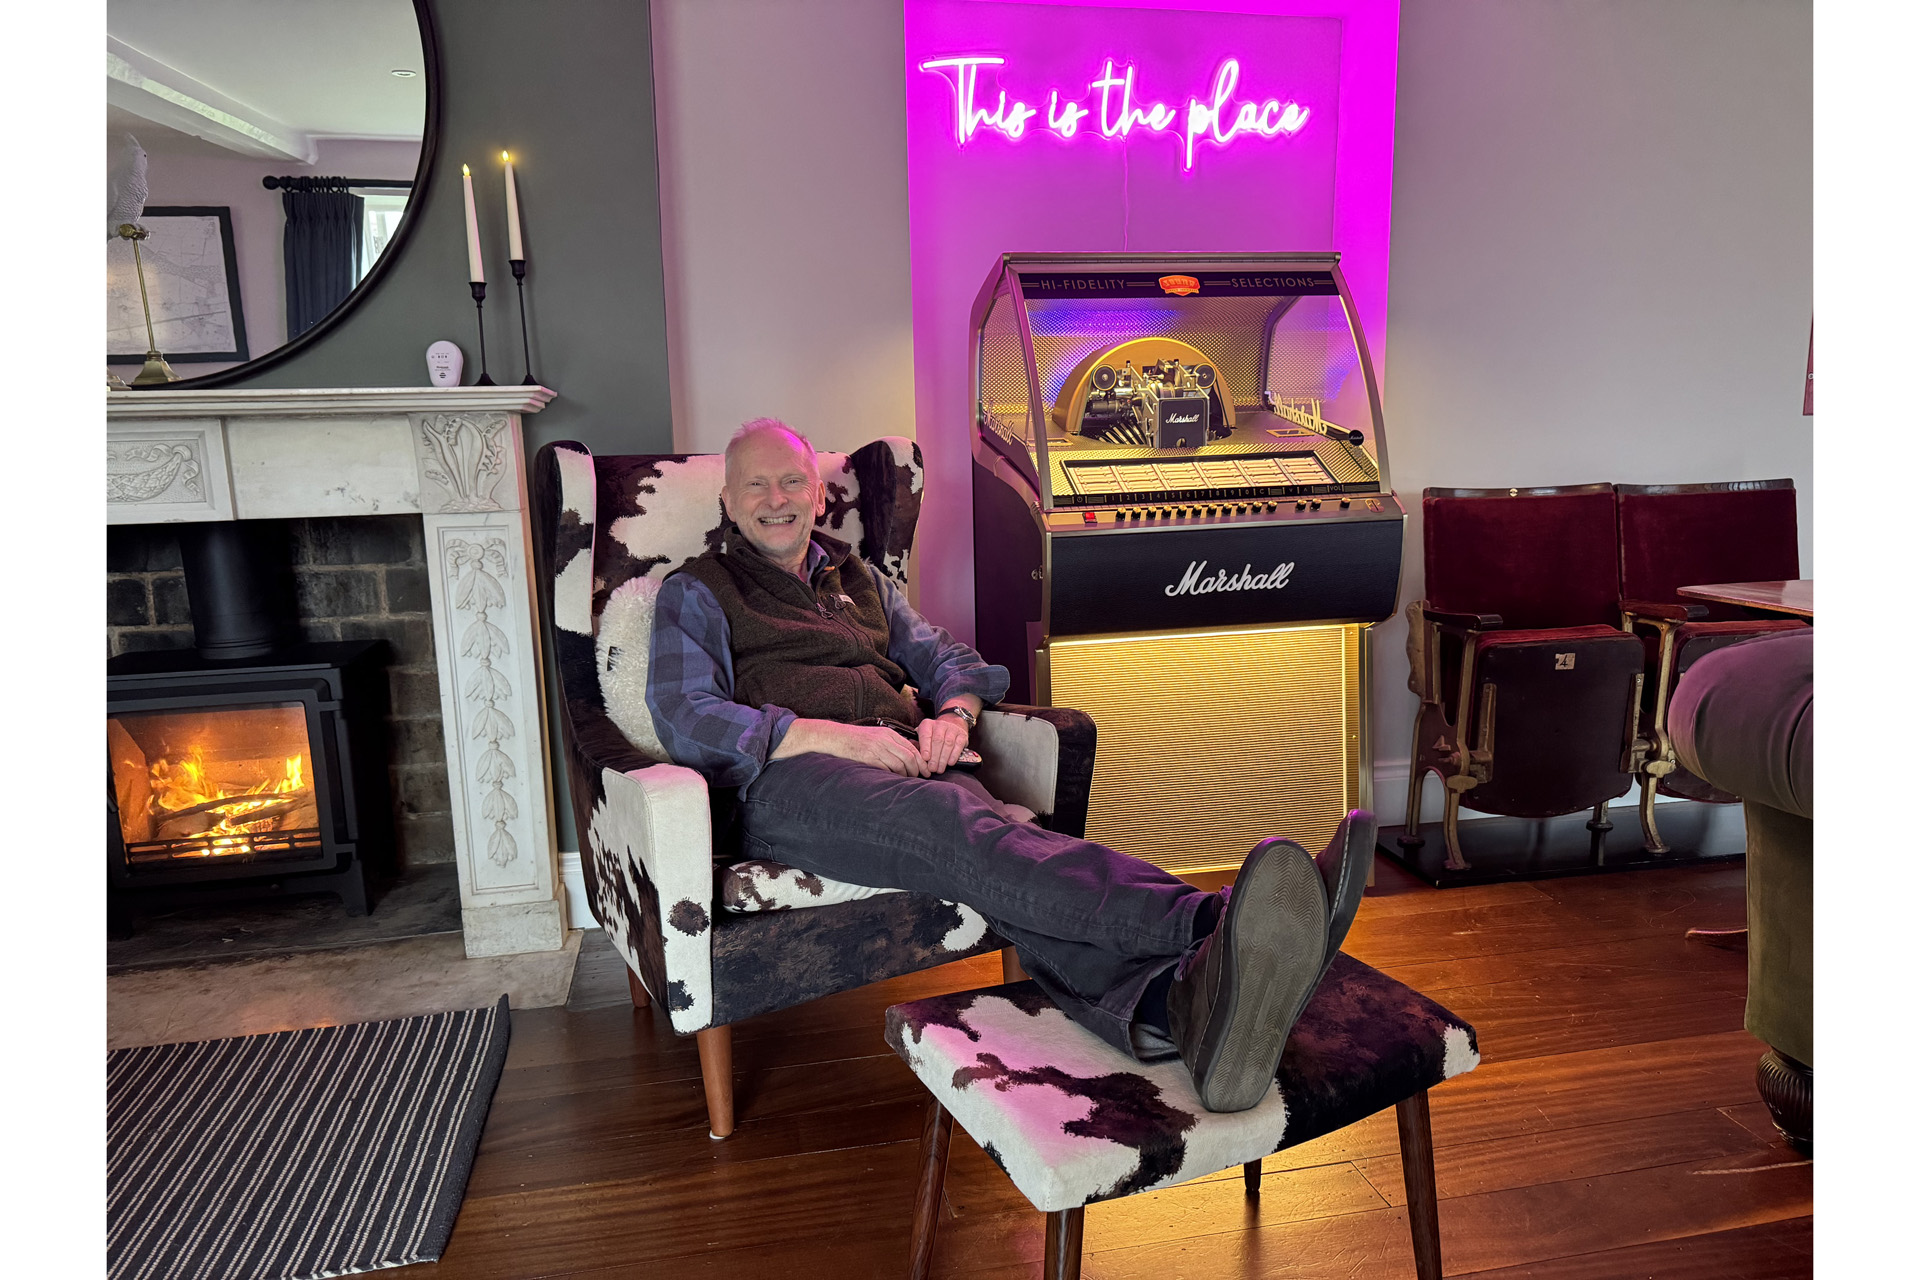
(1742, 718)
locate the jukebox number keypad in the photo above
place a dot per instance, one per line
(1127, 481)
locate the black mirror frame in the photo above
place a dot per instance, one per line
(423, 175)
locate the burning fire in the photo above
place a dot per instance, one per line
(184, 803)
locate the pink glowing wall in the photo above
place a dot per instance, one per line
(1326, 184)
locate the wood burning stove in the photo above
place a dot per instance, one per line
(233, 778)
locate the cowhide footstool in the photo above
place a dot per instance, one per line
(1072, 1120)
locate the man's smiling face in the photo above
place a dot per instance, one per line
(773, 492)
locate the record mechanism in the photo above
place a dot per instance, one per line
(1167, 404)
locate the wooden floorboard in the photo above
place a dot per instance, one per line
(1611, 1131)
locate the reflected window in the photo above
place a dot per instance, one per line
(380, 217)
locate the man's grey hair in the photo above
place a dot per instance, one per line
(756, 426)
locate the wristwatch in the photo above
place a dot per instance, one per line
(971, 720)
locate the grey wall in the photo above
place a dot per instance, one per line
(567, 87)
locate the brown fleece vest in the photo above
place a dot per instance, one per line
(818, 649)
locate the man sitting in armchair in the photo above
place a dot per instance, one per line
(779, 665)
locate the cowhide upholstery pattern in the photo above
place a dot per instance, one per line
(760, 960)
(1071, 1120)
(761, 884)
(610, 529)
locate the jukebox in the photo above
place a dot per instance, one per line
(1183, 526)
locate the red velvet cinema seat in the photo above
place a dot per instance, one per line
(1527, 685)
(1679, 535)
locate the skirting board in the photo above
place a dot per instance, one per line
(579, 914)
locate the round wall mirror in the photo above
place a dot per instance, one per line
(265, 154)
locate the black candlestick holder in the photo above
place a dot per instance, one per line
(519, 266)
(480, 318)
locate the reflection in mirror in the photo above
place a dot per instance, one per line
(268, 148)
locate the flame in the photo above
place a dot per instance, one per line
(182, 784)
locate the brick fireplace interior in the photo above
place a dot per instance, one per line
(347, 578)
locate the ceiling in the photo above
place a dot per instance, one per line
(319, 68)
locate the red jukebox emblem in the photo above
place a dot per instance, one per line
(1181, 285)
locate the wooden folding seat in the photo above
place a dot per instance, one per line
(1677, 535)
(1527, 685)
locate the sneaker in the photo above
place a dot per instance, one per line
(1235, 1000)
(1344, 866)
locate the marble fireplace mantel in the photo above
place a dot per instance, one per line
(454, 455)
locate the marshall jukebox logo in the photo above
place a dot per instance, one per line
(1197, 582)
(1179, 285)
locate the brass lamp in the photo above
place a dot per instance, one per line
(156, 371)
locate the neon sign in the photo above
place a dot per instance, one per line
(1217, 118)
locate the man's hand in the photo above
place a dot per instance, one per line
(868, 744)
(942, 739)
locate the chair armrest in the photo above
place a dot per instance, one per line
(1040, 757)
(1464, 621)
(598, 742)
(1655, 610)
(647, 833)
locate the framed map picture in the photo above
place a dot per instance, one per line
(193, 287)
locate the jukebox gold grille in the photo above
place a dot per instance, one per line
(1210, 742)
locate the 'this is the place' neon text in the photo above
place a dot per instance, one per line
(1116, 111)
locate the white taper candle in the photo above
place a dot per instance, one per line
(514, 251)
(474, 271)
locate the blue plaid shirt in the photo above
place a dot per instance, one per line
(690, 677)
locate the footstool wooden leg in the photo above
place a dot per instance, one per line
(636, 991)
(935, 1140)
(1010, 970)
(1250, 1172)
(1062, 1261)
(1423, 1202)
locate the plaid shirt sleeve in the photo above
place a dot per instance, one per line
(940, 666)
(690, 690)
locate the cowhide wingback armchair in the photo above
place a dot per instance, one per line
(711, 936)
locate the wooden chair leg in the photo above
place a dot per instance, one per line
(636, 990)
(1423, 1202)
(716, 1073)
(1064, 1227)
(935, 1140)
(1010, 970)
(1250, 1174)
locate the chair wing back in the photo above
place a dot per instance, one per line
(1679, 535)
(1537, 557)
(656, 512)
(612, 528)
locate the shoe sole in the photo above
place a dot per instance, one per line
(1278, 918)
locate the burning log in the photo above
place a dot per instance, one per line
(246, 810)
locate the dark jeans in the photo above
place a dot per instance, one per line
(1093, 927)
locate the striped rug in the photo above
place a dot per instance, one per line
(322, 1152)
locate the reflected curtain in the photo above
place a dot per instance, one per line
(321, 247)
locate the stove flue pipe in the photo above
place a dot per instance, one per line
(233, 570)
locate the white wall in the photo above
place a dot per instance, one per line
(1603, 258)
(783, 192)
(1602, 251)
